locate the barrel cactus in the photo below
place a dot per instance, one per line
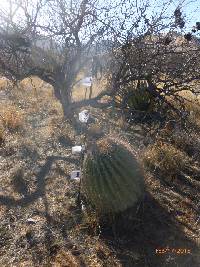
(112, 177)
(139, 99)
(136, 101)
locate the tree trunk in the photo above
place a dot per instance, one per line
(62, 91)
(66, 102)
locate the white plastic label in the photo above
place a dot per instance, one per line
(87, 81)
(77, 149)
(75, 175)
(84, 116)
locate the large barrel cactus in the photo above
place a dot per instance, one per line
(112, 177)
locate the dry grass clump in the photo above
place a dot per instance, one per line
(12, 117)
(36, 85)
(2, 132)
(165, 158)
(65, 258)
(187, 141)
(4, 83)
(55, 108)
(192, 105)
(95, 131)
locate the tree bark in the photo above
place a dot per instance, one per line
(63, 94)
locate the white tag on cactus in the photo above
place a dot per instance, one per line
(75, 175)
(84, 116)
(77, 149)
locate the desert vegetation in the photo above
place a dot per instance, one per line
(133, 66)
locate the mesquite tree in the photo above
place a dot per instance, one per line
(52, 39)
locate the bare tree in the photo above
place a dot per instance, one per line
(51, 39)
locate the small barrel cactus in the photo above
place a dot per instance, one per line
(112, 177)
(140, 100)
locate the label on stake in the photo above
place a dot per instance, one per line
(83, 116)
(75, 175)
(77, 149)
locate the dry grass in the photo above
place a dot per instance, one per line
(65, 258)
(191, 104)
(188, 142)
(2, 131)
(81, 92)
(94, 131)
(36, 85)
(64, 235)
(194, 108)
(4, 83)
(166, 158)
(12, 117)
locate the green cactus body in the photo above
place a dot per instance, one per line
(112, 177)
(140, 100)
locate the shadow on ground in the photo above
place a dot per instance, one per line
(140, 242)
(19, 185)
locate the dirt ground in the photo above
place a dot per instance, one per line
(40, 221)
